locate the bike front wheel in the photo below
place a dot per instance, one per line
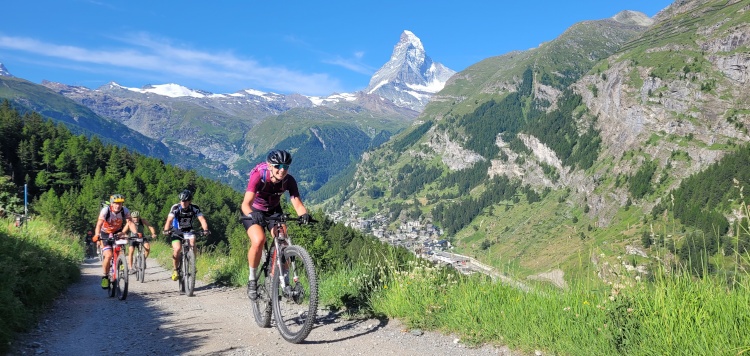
(295, 302)
(262, 305)
(140, 266)
(122, 277)
(188, 276)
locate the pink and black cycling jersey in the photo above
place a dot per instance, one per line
(268, 194)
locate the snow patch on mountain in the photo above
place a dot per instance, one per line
(331, 99)
(4, 72)
(170, 90)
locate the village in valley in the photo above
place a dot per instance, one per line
(423, 239)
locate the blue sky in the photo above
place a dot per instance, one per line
(307, 47)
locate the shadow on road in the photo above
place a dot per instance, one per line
(366, 325)
(84, 320)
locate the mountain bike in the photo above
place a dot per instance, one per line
(186, 265)
(139, 258)
(118, 267)
(90, 249)
(287, 284)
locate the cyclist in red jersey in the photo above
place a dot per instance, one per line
(266, 185)
(113, 219)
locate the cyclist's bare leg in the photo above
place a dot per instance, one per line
(130, 256)
(107, 252)
(257, 240)
(146, 249)
(176, 253)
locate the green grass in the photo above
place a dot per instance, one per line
(662, 313)
(37, 264)
(673, 315)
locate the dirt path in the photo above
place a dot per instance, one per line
(156, 320)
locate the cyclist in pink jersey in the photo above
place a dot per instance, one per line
(268, 182)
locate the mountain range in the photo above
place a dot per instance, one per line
(532, 160)
(232, 131)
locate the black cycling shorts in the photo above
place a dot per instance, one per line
(260, 217)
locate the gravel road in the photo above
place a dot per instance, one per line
(156, 320)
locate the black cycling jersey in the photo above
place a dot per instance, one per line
(183, 218)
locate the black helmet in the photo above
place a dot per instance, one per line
(186, 195)
(279, 157)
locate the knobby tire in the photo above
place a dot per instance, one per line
(140, 265)
(262, 310)
(122, 276)
(295, 309)
(181, 274)
(189, 272)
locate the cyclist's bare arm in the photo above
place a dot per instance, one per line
(168, 223)
(150, 227)
(129, 226)
(298, 206)
(246, 202)
(204, 224)
(98, 228)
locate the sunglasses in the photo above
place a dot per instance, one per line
(281, 166)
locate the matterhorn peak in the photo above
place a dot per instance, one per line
(410, 77)
(408, 38)
(4, 72)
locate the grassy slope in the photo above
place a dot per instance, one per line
(38, 263)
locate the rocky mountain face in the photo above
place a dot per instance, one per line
(213, 125)
(627, 92)
(4, 72)
(678, 94)
(411, 77)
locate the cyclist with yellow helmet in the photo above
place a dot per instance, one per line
(140, 225)
(114, 219)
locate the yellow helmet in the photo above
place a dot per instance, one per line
(116, 198)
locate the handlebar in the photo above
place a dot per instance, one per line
(180, 234)
(281, 219)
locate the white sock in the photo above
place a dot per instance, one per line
(252, 274)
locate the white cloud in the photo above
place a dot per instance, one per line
(159, 56)
(354, 65)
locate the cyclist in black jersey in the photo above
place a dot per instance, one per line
(180, 218)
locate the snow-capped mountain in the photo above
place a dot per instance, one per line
(222, 127)
(4, 72)
(411, 77)
(408, 80)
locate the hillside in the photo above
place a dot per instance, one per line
(543, 159)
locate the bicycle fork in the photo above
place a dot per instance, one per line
(279, 261)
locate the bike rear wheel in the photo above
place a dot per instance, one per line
(262, 310)
(295, 305)
(122, 277)
(189, 272)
